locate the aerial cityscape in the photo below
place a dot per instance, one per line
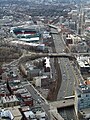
(44, 60)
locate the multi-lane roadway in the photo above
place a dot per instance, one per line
(68, 113)
(69, 78)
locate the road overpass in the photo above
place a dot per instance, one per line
(26, 57)
(52, 26)
(63, 103)
(38, 55)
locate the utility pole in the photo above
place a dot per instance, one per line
(82, 19)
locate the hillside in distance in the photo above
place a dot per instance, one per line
(41, 1)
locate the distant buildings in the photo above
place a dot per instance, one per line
(26, 34)
(73, 15)
(6, 20)
(77, 44)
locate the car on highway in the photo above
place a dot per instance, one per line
(39, 100)
(64, 75)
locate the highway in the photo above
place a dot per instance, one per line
(68, 76)
(68, 79)
(67, 113)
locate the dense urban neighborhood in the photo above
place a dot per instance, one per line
(44, 60)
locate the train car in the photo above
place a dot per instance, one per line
(52, 26)
(69, 97)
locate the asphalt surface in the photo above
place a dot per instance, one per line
(68, 113)
(68, 76)
(68, 79)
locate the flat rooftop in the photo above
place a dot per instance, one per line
(85, 111)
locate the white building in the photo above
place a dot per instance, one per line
(38, 80)
(75, 38)
(83, 64)
(36, 113)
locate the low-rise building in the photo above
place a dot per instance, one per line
(87, 32)
(14, 85)
(87, 22)
(37, 81)
(17, 88)
(33, 72)
(1, 71)
(40, 80)
(82, 47)
(9, 101)
(12, 113)
(4, 76)
(34, 114)
(75, 38)
(26, 97)
(3, 90)
(83, 64)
